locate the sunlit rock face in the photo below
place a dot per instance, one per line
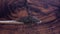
(44, 10)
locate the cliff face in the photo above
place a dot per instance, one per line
(45, 10)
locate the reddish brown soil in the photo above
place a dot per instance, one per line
(30, 29)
